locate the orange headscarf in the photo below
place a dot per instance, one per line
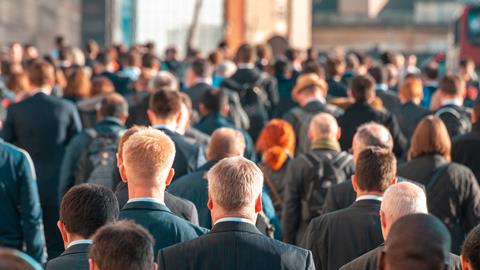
(276, 143)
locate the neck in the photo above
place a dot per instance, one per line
(165, 122)
(71, 238)
(363, 193)
(135, 191)
(217, 215)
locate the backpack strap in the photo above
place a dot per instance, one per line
(341, 160)
(436, 175)
(456, 114)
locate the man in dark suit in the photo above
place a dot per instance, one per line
(410, 246)
(390, 100)
(21, 224)
(248, 76)
(104, 67)
(343, 195)
(451, 95)
(198, 79)
(465, 148)
(341, 236)
(164, 114)
(43, 125)
(235, 188)
(398, 200)
(147, 168)
(84, 209)
(122, 245)
(225, 143)
(363, 92)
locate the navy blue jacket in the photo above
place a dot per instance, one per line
(167, 229)
(44, 125)
(19, 203)
(74, 258)
(73, 152)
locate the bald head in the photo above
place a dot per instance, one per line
(417, 241)
(399, 200)
(323, 125)
(371, 134)
(225, 142)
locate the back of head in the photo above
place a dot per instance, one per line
(430, 138)
(164, 80)
(378, 74)
(403, 199)
(87, 207)
(234, 184)
(149, 60)
(225, 142)
(103, 58)
(11, 259)
(375, 169)
(122, 245)
(411, 89)
(101, 86)
(125, 136)
(245, 54)
(373, 134)
(362, 88)
(165, 104)
(201, 68)
(471, 249)
(148, 157)
(430, 71)
(334, 66)
(78, 84)
(323, 125)
(114, 105)
(418, 241)
(214, 101)
(277, 132)
(452, 86)
(41, 73)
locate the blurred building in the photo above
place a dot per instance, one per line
(39, 21)
(404, 25)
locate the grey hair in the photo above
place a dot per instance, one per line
(374, 134)
(403, 199)
(163, 79)
(324, 124)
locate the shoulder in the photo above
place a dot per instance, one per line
(366, 261)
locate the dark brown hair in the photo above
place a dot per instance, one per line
(375, 168)
(362, 88)
(452, 85)
(166, 103)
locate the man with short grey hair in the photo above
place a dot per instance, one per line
(235, 188)
(399, 200)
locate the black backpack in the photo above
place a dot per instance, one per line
(456, 122)
(324, 172)
(98, 160)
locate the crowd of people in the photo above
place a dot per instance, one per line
(116, 158)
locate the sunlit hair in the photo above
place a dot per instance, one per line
(276, 143)
(411, 89)
(403, 199)
(78, 84)
(225, 142)
(430, 138)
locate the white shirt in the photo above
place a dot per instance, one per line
(203, 80)
(369, 197)
(246, 66)
(235, 219)
(452, 102)
(152, 200)
(79, 242)
(171, 128)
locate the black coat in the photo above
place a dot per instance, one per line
(196, 92)
(341, 236)
(362, 113)
(180, 207)
(137, 114)
(454, 198)
(166, 228)
(73, 258)
(390, 100)
(234, 246)
(466, 149)
(409, 115)
(44, 125)
(369, 260)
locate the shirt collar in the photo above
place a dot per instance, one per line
(79, 242)
(246, 66)
(203, 80)
(235, 219)
(381, 87)
(151, 200)
(453, 101)
(162, 126)
(369, 197)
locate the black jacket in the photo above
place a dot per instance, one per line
(339, 196)
(234, 246)
(456, 119)
(390, 100)
(166, 228)
(368, 261)
(73, 258)
(341, 236)
(137, 114)
(454, 198)
(44, 125)
(466, 149)
(362, 113)
(180, 207)
(196, 92)
(409, 115)
(293, 222)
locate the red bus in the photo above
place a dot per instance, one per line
(466, 37)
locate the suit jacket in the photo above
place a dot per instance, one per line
(180, 207)
(73, 258)
(194, 187)
(44, 125)
(234, 246)
(409, 115)
(465, 149)
(341, 236)
(166, 228)
(362, 113)
(368, 261)
(187, 155)
(454, 198)
(390, 100)
(19, 203)
(196, 92)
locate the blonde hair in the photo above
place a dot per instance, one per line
(148, 154)
(234, 183)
